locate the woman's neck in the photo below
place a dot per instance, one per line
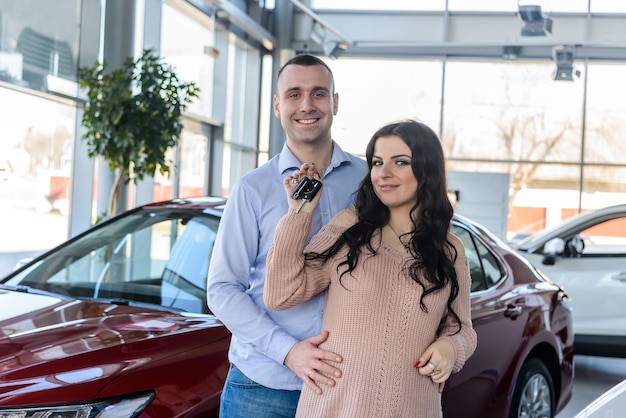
(400, 222)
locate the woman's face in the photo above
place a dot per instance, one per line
(391, 174)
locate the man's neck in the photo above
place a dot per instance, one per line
(319, 154)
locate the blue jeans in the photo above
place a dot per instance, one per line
(244, 398)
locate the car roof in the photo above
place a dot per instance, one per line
(540, 237)
(213, 204)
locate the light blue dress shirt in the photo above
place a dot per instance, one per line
(263, 337)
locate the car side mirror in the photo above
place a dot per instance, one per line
(551, 249)
(575, 247)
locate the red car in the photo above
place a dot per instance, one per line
(114, 323)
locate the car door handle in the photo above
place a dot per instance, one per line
(513, 311)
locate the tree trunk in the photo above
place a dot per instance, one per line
(115, 193)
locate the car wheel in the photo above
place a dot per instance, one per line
(534, 392)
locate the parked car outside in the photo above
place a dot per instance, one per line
(586, 254)
(114, 323)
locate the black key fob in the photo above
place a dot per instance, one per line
(303, 185)
(310, 192)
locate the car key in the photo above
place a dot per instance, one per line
(301, 187)
(309, 193)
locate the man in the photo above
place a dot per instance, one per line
(273, 352)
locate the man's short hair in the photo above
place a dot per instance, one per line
(307, 60)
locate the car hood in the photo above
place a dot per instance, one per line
(53, 345)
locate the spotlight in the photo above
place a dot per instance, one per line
(534, 21)
(334, 49)
(564, 61)
(331, 49)
(510, 52)
(566, 74)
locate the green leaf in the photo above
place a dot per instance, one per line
(133, 114)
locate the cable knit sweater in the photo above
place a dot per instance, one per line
(374, 321)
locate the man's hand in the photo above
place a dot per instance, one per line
(305, 360)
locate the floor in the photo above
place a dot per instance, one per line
(593, 376)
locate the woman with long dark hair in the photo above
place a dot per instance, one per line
(398, 301)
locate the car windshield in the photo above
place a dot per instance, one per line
(570, 226)
(155, 257)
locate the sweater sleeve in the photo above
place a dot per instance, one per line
(291, 280)
(464, 341)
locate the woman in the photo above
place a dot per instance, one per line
(398, 302)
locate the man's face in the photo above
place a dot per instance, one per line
(305, 103)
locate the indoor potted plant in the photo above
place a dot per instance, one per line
(133, 115)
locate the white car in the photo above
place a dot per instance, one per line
(611, 403)
(586, 255)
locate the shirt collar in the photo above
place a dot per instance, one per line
(288, 162)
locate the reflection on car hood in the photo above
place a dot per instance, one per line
(49, 343)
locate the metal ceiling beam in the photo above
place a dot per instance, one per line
(468, 34)
(236, 16)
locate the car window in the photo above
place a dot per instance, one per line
(605, 238)
(146, 258)
(485, 269)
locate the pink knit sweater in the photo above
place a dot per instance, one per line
(374, 320)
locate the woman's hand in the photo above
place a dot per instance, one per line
(437, 362)
(290, 183)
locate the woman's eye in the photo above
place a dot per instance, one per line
(377, 163)
(403, 162)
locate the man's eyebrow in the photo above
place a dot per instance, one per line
(297, 88)
(322, 88)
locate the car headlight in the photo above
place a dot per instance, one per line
(127, 407)
(565, 300)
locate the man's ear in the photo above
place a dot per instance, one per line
(335, 103)
(276, 107)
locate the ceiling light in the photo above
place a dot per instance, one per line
(534, 21)
(510, 52)
(564, 60)
(334, 49)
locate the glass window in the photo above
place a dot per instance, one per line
(498, 111)
(241, 129)
(35, 162)
(491, 266)
(159, 257)
(190, 169)
(549, 6)
(538, 193)
(473, 5)
(608, 6)
(39, 50)
(485, 269)
(605, 123)
(192, 150)
(191, 52)
(379, 5)
(603, 186)
(266, 110)
(605, 238)
(375, 92)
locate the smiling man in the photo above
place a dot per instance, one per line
(273, 352)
